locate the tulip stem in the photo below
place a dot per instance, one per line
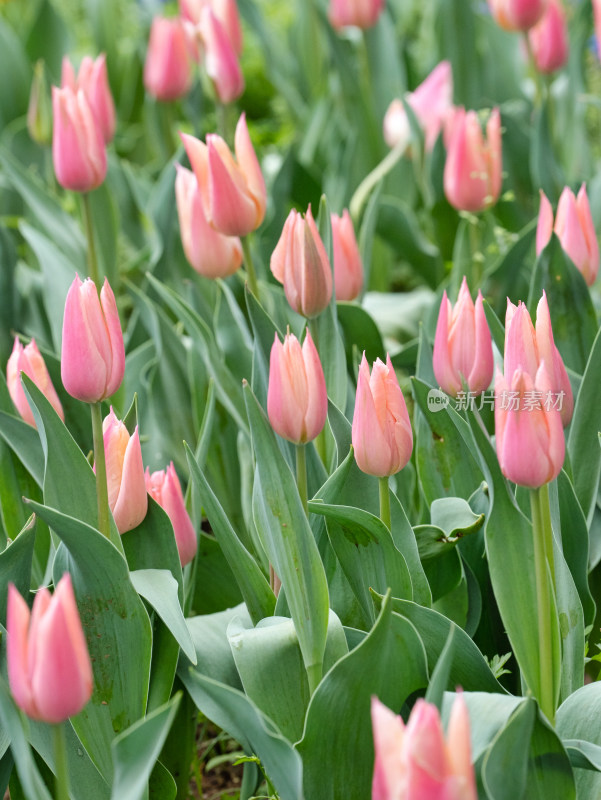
(538, 82)
(61, 773)
(369, 183)
(100, 465)
(250, 267)
(89, 226)
(314, 672)
(385, 501)
(301, 474)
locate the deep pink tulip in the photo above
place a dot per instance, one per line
(549, 39)
(472, 174)
(128, 499)
(382, 437)
(575, 229)
(164, 487)
(301, 264)
(526, 348)
(93, 80)
(414, 761)
(233, 190)
(210, 253)
(297, 401)
(517, 15)
(168, 66)
(29, 360)
(78, 149)
(220, 58)
(348, 267)
(361, 13)
(462, 345)
(226, 12)
(93, 355)
(49, 668)
(430, 102)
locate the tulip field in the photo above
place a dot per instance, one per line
(300, 400)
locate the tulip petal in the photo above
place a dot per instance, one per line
(17, 626)
(132, 501)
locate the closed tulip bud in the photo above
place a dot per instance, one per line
(127, 495)
(517, 15)
(226, 12)
(597, 22)
(221, 61)
(168, 65)
(361, 13)
(210, 253)
(233, 190)
(39, 110)
(348, 267)
(297, 401)
(549, 39)
(29, 360)
(430, 103)
(462, 345)
(382, 437)
(78, 149)
(93, 81)
(415, 761)
(49, 668)
(472, 173)
(164, 487)
(301, 263)
(93, 355)
(574, 228)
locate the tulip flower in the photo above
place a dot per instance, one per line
(127, 495)
(414, 761)
(361, 13)
(549, 40)
(472, 173)
(297, 401)
(49, 668)
(348, 267)
(462, 345)
(164, 487)
(233, 190)
(226, 12)
(29, 360)
(78, 149)
(220, 58)
(574, 228)
(517, 15)
(597, 23)
(430, 103)
(301, 263)
(93, 81)
(382, 437)
(93, 355)
(168, 66)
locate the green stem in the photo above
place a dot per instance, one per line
(369, 183)
(250, 268)
(545, 517)
(301, 474)
(61, 773)
(102, 494)
(89, 226)
(385, 502)
(314, 675)
(538, 81)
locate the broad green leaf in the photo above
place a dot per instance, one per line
(22, 438)
(360, 331)
(545, 170)
(577, 718)
(214, 657)
(439, 680)
(215, 586)
(508, 278)
(455, 517)
(583, 755)
(13, 61)
(404, 539)
(505, 766)
(15, 565)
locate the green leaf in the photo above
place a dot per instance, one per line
(22, 438)
(583, 755)
(213, 653)
(544, 166)
(439, 679)
(359, 331)
(577, 718)
(505, 767)
(455, 517)
(15, 565)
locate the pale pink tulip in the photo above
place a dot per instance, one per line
(93, 81)
(517, 15)
(381, 434)
(348, 267)
(220, 58)
(49, 668)
(93, 355)
(128, 499)
(297, 401)
(168, 66)
(597, 21)
(78, 149)
(164, 487)
(462, 345)
(29, 360)
(549, 40)
(226, 12)
(361, 13)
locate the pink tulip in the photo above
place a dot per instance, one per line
(78, 149)
(382, 437)
(93, 355)
(549, 40)
(430, 103)
(597, 22)
(297, 401)
(575, 229)
(472, 174)
(348, 267)
(300, 262)
(128, 499)
(93, 81)
(462, 345)
(168, 66)
(517, 15)
(414, 761)
(226, 12)
(49, 668)
(233, 190)
(164, 487)
(29, 360)
(221, 61)
(361, 13)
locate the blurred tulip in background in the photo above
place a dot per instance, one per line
(29, 360)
